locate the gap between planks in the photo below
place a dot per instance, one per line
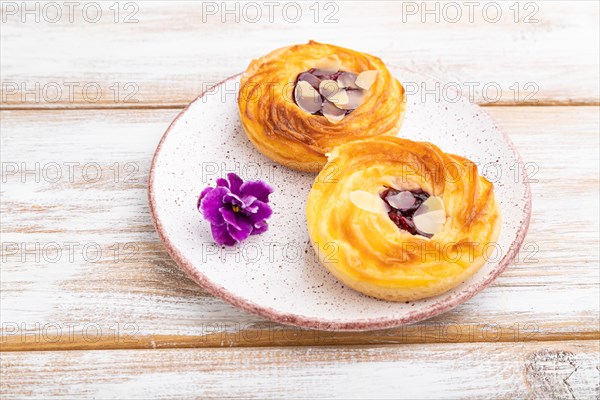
(176, 106)
(252, 338)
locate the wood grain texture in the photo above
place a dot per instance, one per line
(561, 370)
(174, 51)
(82, 269)
(102, 279)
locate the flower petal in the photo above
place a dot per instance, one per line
(258, 189)
(236, 200)
(221, 235)
(235, 182)
(248, 201)
(222, 182)
(204, 193)
(211, 203)
(262, 212)
(233, 199)
(260, 227)
(230, 217)
(243, 230)
(251, 209)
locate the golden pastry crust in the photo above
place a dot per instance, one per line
(285, 133)
(368, 252)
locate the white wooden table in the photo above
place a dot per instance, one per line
(92, 305)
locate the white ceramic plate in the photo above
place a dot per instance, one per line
(276, 274)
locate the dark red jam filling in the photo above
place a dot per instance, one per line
(404, 218)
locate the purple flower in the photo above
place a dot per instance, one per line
(235, 209)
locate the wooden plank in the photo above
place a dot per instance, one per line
(524, 370)
(174, 51)
(103, 279)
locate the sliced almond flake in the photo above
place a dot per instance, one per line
(328, 87)
(401, 201)
(428, 223)
(355, 99)
(365, 79)
(332, 113)
(340, 98)
(430, 216)
(438, 216)
(433, 203)
(333, 118)
(347, 80)
(310, 78)
(369, 202)
(307, 97)
(329, 64)
(436, 203)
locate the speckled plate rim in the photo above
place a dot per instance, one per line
(439, 307)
